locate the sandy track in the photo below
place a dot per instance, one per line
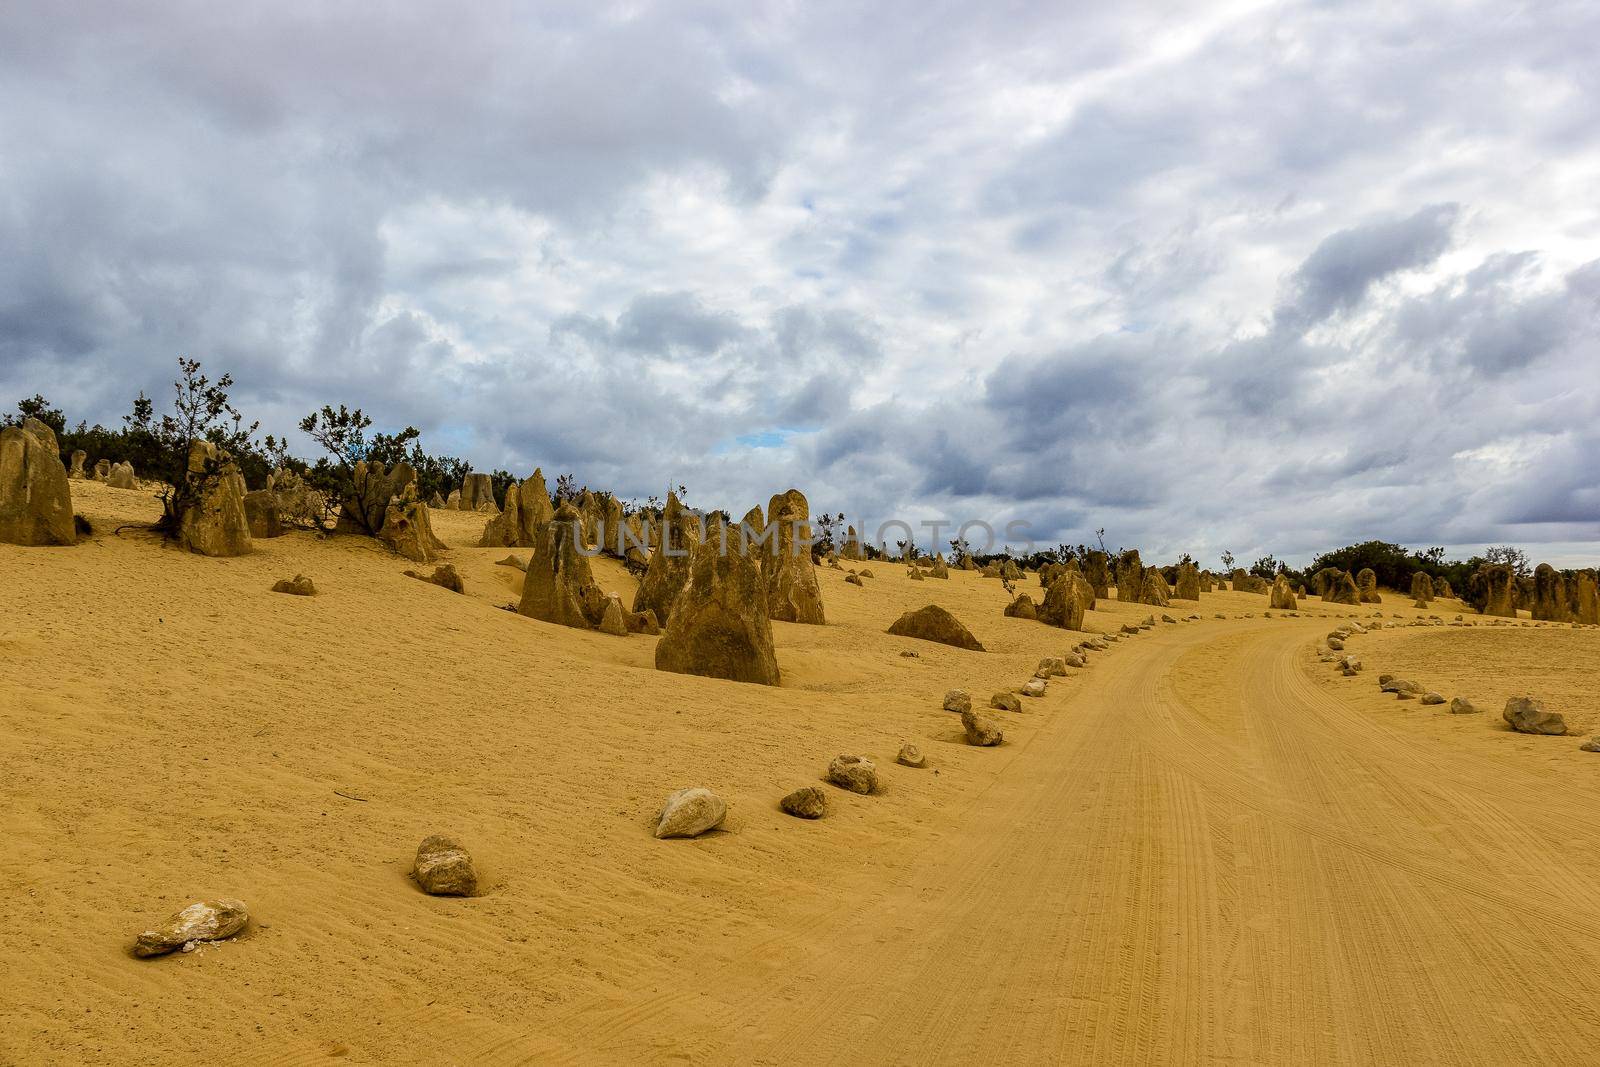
(1251, 871)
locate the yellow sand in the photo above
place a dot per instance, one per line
(1207, 847)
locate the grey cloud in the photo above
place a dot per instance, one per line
(985, 261)
(1338, 274)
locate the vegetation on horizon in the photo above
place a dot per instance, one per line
(158, 448)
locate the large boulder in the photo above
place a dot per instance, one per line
(1153, 588)
(215, 523)
(1584, 593)
(1550, 595)
(504, 530)
(719, 627)
(1188, 585)
(1367, 586)
(77, 472)
(636, 541)
(35, 498)
(1130, 577)
(261, 512)
(121, 476)
(1323, 579)
(521, 523)
(1283, 593)
(612, 525)
(407, 528)
(102, 470)
(1097, 571)
(1066, 601)
(1528, 716)
(1442, 590)
(1022, 607)
(365, 505)
(670, 558)
(1422, 587)
(593, 513)
(1493, 590)
(793, 594)
(934, 623)
(1342, 590)
(477, 492)
(559, 586)
(852, 548)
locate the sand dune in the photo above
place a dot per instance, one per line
(1203, 848)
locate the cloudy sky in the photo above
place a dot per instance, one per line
(1267, 278)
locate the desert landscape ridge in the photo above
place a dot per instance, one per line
(1220, 826)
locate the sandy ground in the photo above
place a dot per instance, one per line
(1207, 847)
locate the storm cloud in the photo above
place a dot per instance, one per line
(1267, 279)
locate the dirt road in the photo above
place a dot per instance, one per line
(1203, 857)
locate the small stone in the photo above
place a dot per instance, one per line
(855, 773)
(1076, 659)
(1051, 667)
(1591, 745)
(444, 576)
(1432, 698)
(1336, 644)
(1462, 706)
(911, 756)
(690, 813)
(957, 700)
(853, 579)
(1004, 701)
(299, 585)
(444, 869)
(807, 802)
(908, 654)
(512, 561)
(1033, 687)
(205, 920)
(981, 730)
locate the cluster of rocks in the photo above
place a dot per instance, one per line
(983, 730)
(442, 867)
(1523, 714)
(118, 475)
(1068, 595)
(559, 586)
(924, 567)
(710, 588)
